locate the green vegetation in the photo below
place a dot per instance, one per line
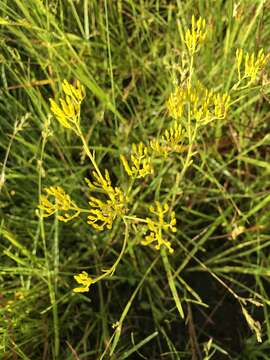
(135, 163)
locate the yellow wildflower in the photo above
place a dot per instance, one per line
(252, 64)
(176, 102)
(221, 105)
(159, 225)
(103, 213)
(199, 103)
(84, 279)
(141, 162)
(62, 202)
(171, 140)
(77, 94)
(68, 113)
(196, 35)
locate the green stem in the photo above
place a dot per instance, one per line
(88, 152)
(134, 218)
(109, 51)
(112, 269)
(190, 69)
(51, 287)
(189, 153)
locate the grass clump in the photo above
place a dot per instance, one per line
(134, 181)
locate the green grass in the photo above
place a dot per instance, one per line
(127, 55)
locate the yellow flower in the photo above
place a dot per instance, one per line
(176, 102)
(103, 213)
(252, 64)
(196, 35)
(68, 112)
(201, 104)
(84, 279)
(159, 225)
(171, 141)
(77, 94)
(62, 202)
(141, 162)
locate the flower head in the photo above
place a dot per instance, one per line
(103, 212)
(84, 279)
(163, 222)
(251, 65)
(196, 35)
(200, 103)
(68, 112)
(141, 162)
(62, 202)
(171, 140)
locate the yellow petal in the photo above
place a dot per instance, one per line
(81, 289)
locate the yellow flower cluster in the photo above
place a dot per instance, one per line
(84, 279)
(199, 103)
(142, 156)
(171, 140)
(159, 225)
(103, 213)
(141, 162)
(252, 64)
(112, 202)
(68, 114)
(62, 202)
(196, 35)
